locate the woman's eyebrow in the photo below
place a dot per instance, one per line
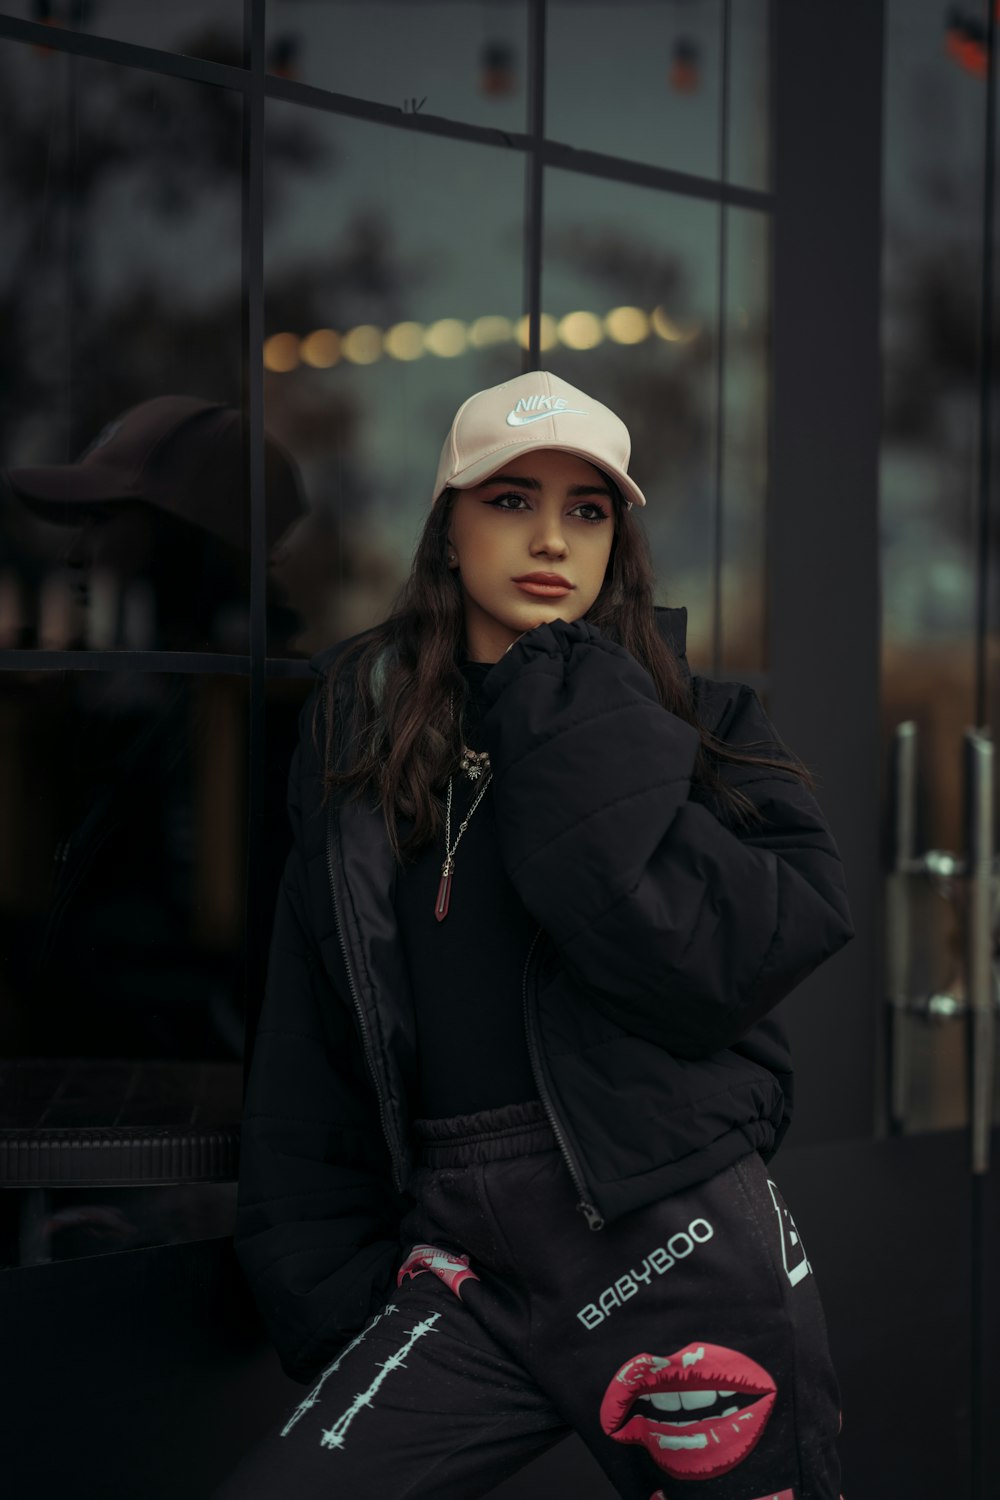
(526, 482)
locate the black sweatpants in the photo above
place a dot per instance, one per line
(685, 1342)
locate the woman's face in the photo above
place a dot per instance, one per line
(546, 512)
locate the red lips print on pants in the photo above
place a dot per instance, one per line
(697, 1412)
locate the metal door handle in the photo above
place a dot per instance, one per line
(979, 968)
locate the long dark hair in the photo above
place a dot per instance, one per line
(406, 741)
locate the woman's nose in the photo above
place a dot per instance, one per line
(550, 540)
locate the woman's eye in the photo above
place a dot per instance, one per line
(509, 496)
(597, 513)
(594, 512)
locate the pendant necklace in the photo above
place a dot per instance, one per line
(473, 763)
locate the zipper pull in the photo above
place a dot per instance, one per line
(593, 1218)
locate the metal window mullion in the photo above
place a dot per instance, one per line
(257, 921)
(188, 663)
(124, 54)
(979, 1279)
(985, 437)
(534, 169)
(720, 356)
(550, 153)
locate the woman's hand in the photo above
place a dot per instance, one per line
(528, 632)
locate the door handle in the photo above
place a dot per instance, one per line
(971, 884)
(980, 970)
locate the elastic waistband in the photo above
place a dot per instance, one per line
(489, 1135)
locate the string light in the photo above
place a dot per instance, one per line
(627, 325)
(404, 341)
(281, 352)
(448, 337)
(665, 328)
(580, 330)
(490, 329)
(321, 348)
(362, 345)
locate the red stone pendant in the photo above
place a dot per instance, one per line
(443, 895)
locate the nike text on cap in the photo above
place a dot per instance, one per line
(537, 410)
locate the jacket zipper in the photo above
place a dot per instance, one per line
(356, 998)
(585, 1207)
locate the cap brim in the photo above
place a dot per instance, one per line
(498, 459)
(58, 485)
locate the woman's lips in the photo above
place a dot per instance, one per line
(687, 1445)
(545, 590)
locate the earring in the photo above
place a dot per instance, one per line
(452, 557)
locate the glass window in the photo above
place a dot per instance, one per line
(123, 503)
(211, 29)
(466, 62)
(39, 1225)
(122, 865)
(393, 292)
(933, 155)
(749, 133)
(671, 56)
(746, 410)
(630, 292)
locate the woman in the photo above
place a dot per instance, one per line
(516, 1078)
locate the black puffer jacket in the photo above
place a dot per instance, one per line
(664, 940)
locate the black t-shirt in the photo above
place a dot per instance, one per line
(466, 970)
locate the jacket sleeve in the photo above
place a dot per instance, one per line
(317, 1219)
(675, 925)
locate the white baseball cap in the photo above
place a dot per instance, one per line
(537, 410)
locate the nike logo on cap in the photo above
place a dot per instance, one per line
(534, 408)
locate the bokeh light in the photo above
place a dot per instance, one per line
(580, 330)
(321, 348)
(362, 345)
(627, 325)
(405, 341)
(446, 338)
(665, 328)
(491, 329)
(281, 352)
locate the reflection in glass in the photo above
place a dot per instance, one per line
(745, 457)
(122, 273)
(210, 29)
(393, 292)
(142, 542)
(933, 143)
(122, 865)
(671, 56)
(465, 62)
(631, 288)
(748, 143)
(41, 1225)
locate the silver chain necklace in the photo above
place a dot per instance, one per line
(473, 763)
